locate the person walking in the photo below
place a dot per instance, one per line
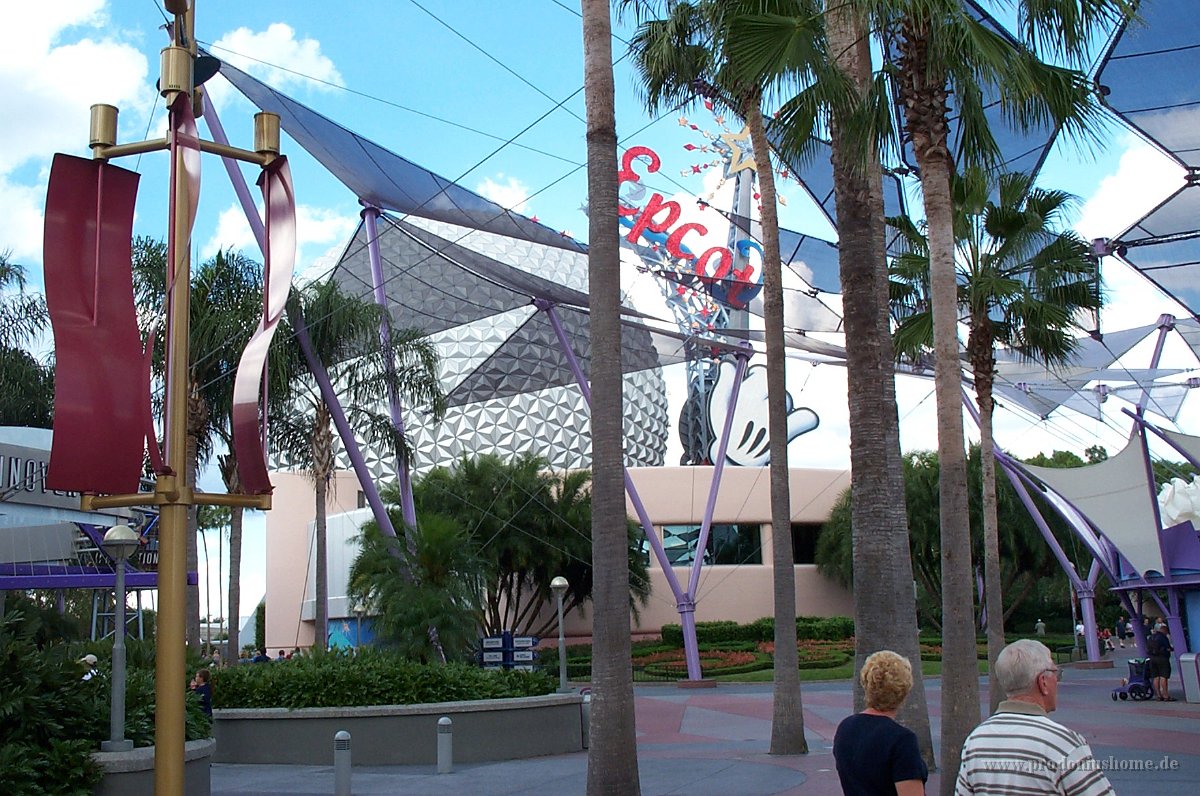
(1019, 749)
(1039, 627)
(1119, 630)
(875, 755)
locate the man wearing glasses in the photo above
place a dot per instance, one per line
(1019, 749)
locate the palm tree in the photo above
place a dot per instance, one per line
(226, 302)
(344, 334)
(612, 753)
(943, 51)
(1022, 282)
(677, 56)
(431, 578)
(28, 399)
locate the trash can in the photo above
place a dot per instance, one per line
(1189, 670)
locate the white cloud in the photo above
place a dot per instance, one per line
(1144, 177)
(275, 56)
(47, 86)
(315, 226)
(508, 192)
(21, 222)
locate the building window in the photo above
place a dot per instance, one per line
(727, 544)
(804, 541)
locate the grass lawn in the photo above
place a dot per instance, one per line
(843, 672)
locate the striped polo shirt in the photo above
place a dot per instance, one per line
(1019, 750)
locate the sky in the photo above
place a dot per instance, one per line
(489, 95)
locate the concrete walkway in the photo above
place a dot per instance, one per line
(714, 742)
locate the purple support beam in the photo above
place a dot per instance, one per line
(1165, 324)
(345, 433)
(684, 601)
(63, 578)
(408, 509)
(343, 426)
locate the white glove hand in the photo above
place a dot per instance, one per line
(749, 443)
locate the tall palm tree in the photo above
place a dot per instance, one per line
(943, 51)
(612, 753)
(677, 56)
(1022, 282)
(818, 58)
(344, 333)
(226, 302)
(28, 396)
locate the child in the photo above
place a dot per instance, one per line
(202, 685)
(1106, 637)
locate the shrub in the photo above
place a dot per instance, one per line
(341, 678)
(832, 628)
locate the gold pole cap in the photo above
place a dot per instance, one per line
(103, 132)
(176, 7)
(266, 133)
(176, 71)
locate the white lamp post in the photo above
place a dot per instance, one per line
(119, 543)
(559, 586)
(359, 610)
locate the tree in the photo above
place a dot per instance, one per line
(525, 525)
(434, 581)
(612, 753)
(822, 65)
(678, 56)
(344, 335)
(942, 51)
(1023, 281)
(1026, 560)
(225, 305)
(28, 396)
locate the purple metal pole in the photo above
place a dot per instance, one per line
(318, 370)
(342, 425)
(1166, 323)
(1040, 521)
(743, 357)
(236, 177)
(404, 481)
(684, 602)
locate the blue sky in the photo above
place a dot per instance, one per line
(449, 85)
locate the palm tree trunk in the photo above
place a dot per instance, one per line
(979, 345)
(233, 610)
(885, 613)
(787, 715)
(612, 753)
(322, 443)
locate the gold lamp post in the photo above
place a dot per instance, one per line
(171, 494)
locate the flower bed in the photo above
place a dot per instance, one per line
(815, 654)
(673, 662)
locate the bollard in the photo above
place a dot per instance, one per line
(585, 710)
(445, 746)
(341, 763)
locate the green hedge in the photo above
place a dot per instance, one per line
(371, 677)
(815, 628)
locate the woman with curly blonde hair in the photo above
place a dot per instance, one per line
(876, 756)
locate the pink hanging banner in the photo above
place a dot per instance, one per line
(280, 202)
(101, 409)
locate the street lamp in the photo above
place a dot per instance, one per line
(359, 610)
(119, 543)
(559, 586)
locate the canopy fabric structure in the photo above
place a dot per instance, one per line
(439, 276)
(1165, 245)
(1041, 389)
(381, 178)
(1115, 496)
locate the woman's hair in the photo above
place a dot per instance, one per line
(203, 675)
(887, 678)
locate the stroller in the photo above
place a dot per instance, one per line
(1137, 685)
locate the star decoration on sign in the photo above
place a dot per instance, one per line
(742, 152)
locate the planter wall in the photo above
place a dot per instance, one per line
(132, 773)
(484, 730)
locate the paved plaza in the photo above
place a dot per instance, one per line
(713, 742)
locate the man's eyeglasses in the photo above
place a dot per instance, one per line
(1057, 672)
